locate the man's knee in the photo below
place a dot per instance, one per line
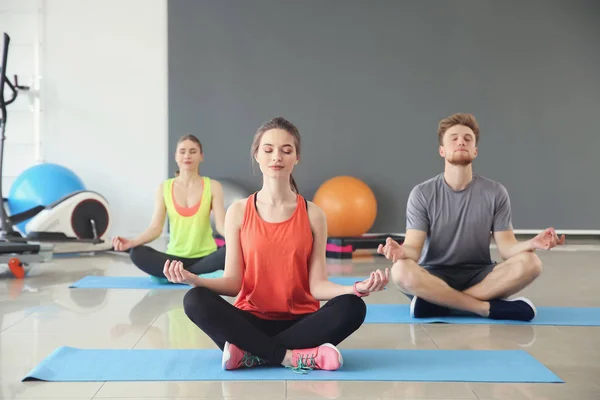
(405, 275)
(529, 264)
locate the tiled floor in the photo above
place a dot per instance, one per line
(39, 314)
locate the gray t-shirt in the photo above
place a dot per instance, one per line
(458, 223)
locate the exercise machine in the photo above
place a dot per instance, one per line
(76, 223)
(15, 255)
(19, 256)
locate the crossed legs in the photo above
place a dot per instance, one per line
(506, 279)
(275, 341)
(152, 261)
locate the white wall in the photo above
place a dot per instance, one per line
(103, 96)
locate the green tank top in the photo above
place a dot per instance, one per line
(190, 232)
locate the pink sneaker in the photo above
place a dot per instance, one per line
(234, 358)
(325, 357)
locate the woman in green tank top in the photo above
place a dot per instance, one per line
(187, 200)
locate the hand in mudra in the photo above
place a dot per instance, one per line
(121, 244)
(547, 239)
(377, 281)
(175, 273)
(392, 250)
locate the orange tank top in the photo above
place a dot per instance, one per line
(275, 258)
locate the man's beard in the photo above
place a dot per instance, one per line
(460, 158)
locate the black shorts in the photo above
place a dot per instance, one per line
(461, 278)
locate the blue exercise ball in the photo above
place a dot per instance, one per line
(41, 185)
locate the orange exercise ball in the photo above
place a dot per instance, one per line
(349, 204)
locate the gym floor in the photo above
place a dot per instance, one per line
(98, 318)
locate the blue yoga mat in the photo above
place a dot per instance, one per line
(557, 316)
(147, 282)
(68, 364)
(376, 313)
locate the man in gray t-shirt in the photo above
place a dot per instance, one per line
(458, 222)
(444, 262)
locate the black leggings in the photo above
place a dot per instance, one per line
(268, 339)
(152, 261)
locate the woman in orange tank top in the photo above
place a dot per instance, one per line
(275, 264)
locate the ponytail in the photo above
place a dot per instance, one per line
(293, 184)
